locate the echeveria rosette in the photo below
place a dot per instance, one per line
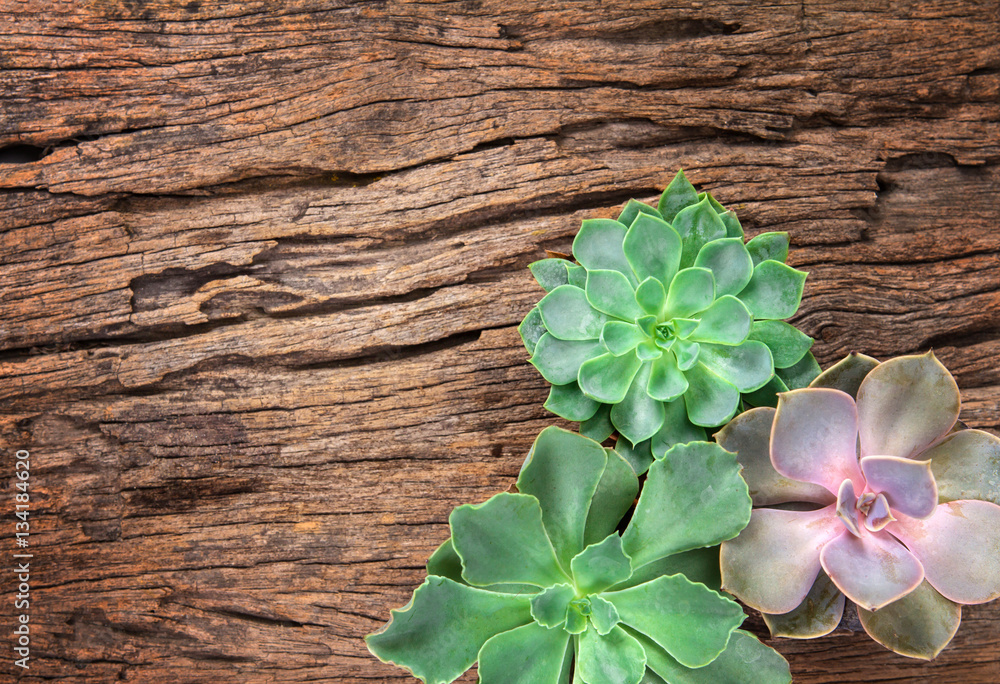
(902, 517)
(666, 319)
(539, 587)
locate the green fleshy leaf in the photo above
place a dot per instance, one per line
(559, 361)
(576, 622)
(710, 400)
(787, 343)
(774, 291)
(638, 455)
(690, 621)
(691, 291)
(768, 246)
(603, 615)
(653, 249)
(549, 606)
(729, 262)
(530, 654)
(550, 273)
(801, 373)
(768, 394)
(686, 353)
(444, 562)
(966, 465)
(677, 429)
(697, 226)
(437, 636)
(598, 246)
(619, 337)
(648, 323)
(531, 329)
(601, 565)
(817, 615)
(684, 327)
(747, 366)
(562, 472)
(567, 401)
(611, 292)
(632, 210)
(847, 374)
(598, 427)
(608, 377)
(614, 496)
(678, 195)
(733, 227)
(666, 381)
(568, 315)
(648, 351)
(503, 540)
(919, 625)
(638, 416)
(651, 296)
(744, 660)
(726, 321)
(615, 658)
(698, 565)
(693, 497)
(577, 276)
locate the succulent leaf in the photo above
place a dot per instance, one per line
(774, 290)
(562, 472)
(725, 321)
(768, 246)
(598, 427)
(710, 399)
(549, 606)
(818, 614)
(846, 375)
(603, 615)
(632, 210)
(568, 315)
(919, 625)
(729, 262)
(958, 547)
(638, 416)
(687, 620)
(613, 497)
(559, 361)
(666, 381)
(698, 565)
(777, 544)
(800, 374)
(678, 195)
(531, 329)
(748, 435)
(966, 465)
(814, 439)
(601, 565)
(677, 429)
(906, 404)
(598, 246)
(691, 291)
(697, 225)
(607, 377)
(787, 344)
(872, 569)
(619, 337)
(746, 366)
(444, 562)
(437, 636)
(653, 249)
(651, 296)
(530, 654)
(744, 660)
(610, 292)
(570, 402)
(614, 658)
(908, 485)
(698, 482)
(503, 540)
(550, 273)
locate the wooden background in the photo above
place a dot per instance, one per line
(262, 262)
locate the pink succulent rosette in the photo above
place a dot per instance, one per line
(882, 500)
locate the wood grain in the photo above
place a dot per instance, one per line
(262, 266)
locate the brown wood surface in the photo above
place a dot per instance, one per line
(262, 264)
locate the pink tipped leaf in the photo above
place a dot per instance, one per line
(872, 570)
(908, 485)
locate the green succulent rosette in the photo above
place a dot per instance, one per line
(539, 587)
(666, 320)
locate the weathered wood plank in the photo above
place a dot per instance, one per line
(262, 266)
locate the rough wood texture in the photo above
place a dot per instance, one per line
(262, 265)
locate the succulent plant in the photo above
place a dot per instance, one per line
(902, 517)
(539, 587)
(665, 320)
